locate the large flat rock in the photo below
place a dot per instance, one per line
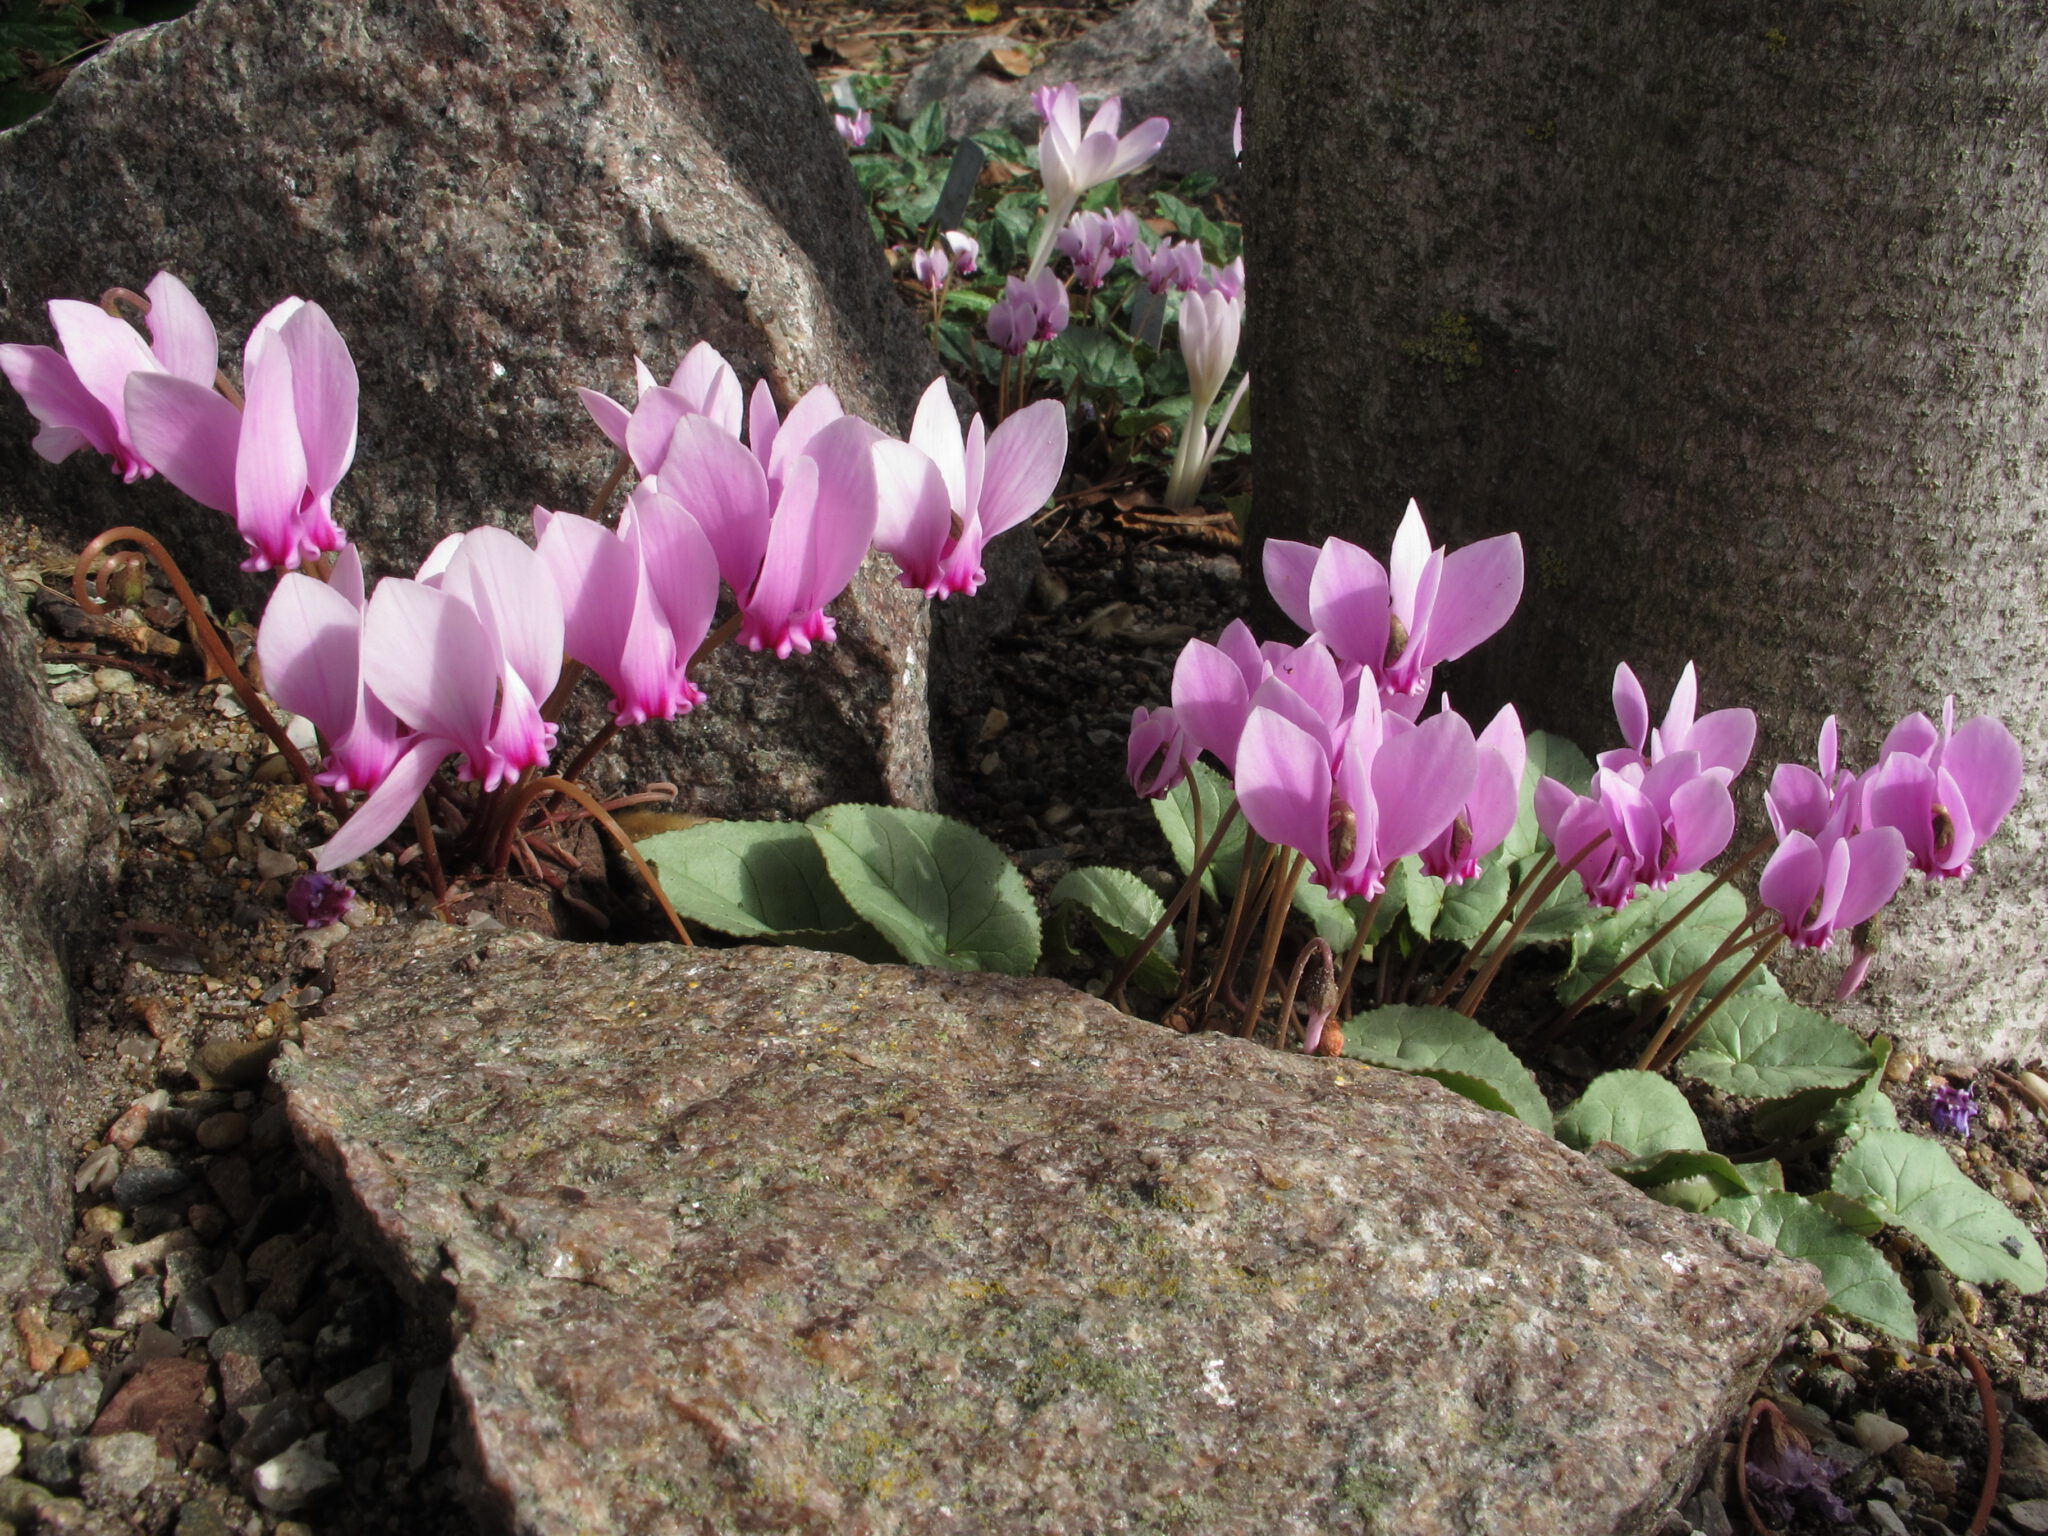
(766, 1240)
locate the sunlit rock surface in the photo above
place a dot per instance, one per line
(763, 1239)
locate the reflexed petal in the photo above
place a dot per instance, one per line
(706, 380)
(180, 333)
(388, 805)
(310, 644)
(270, 462)
(1985, 762)
(1137, 147)
(935, 431)
(1503, 734)
(681, 568)
(1723, 739)
(102, 349)
(1684, 701)
(1915, 736)
(1798, 800)
(1290, 574)
(818, 408)
(763, 423)
(1793, 878)
(1275, 695)
(1631, 709)
(1311, 671)
(914, 515)
(1702, 821)
(595, 572)
(720, 484)
(346, 575)
(1210, 699)
(428, 657)
(72, 417)
(1878, 863)
(844, 525)
(1900, 793)
(1828, 750)
(1283, 785)
(1480, 587)
(1406, 561)
(188, 433)
(508, 587)
(1025, 456)
(611, 417)
(324, 394)
(1347, 602)
(1420, 781)
(1553, 800)
(653, 422)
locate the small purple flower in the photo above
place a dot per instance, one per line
(319, 901)
(1159, 752)
(854, 129)
(1172, 264)
(1952, 1109)
(1087, 242)
(1027, 312)
(966, 252)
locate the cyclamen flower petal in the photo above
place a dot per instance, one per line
(1820, 887)
(703, 384)
(1209, 329)
(1947, 792)
(310, 646)
(853, 129)
(1071, 160)
(966, 251)
(930, 268)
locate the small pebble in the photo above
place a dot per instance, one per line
(120, 1265)
(360, 1395)
(207, 1221)
(146, 1185)
(40, 1343)
(1900, 1066)
(139, 1301)
(994, 723)
(122, 1465)
(73, 1402)
(259, 1334)
(10, 1451)
(2029, 1515)
(219, 1133)
(197, 1517)
(1876, 1433)
(113, 680)
(2017, 1187)
(1885, 1519)
(1924, 1474)
(272, 865)
(102, 1218)
(75, 692)
(74, 1360)
(422, 1406)
(132, 1126)
(291, 1479)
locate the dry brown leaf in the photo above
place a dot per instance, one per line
(1014, 62)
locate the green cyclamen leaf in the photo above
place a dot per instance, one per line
(1691, 1180)
(1466, 909)
(1636, 1110)
(1677, 955)
(1860, 1283)
(1175, 814)
(1123, 909)
(1442, 1043)
(751, 879)
(1911, 1183)
(1549, 757)
(938, 890)
(1763, 1047)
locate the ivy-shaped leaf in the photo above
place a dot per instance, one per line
(1690, 1180)
(1910, 1182)
(1123, 909)
(1636, 1110)
(1175, 813)
(1860, 1283)
(751, 879)
(1412, 894)
(1442, 1043)
(1763, 1047)
(1549, 757)
(1677, 955)
(1852, 1112)
(1466, 909)
(936, 889)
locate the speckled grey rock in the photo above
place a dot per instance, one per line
(763, 1239)
(1160, 56)
(56, 861)
(496, 203)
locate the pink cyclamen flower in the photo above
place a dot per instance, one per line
(1353, 795)
(1638, 827)
(966, 252)
(274, 464)
(310, 644)
(1213, 687)
(463, 654)
(1159, 752)
(1237, 134)
(1087, 242)
(931, 268)
(1946, 791)
(79, 395)
(1723, 739)
(942, 496)
(1490, 810)
(1227, 280)
(789, 515)
(1801, 800)
(1819, 885)
(636, 603)
(1398, 621)
(1170, 265)
(1071, 160)
(854, 128)
(1028, 311)
(703, 384)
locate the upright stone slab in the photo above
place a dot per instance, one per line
(763, 1239)
(497, 203)
(57, 856)
(1734, 314)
